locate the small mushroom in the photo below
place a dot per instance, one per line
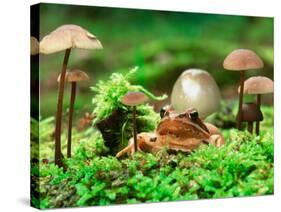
(242, 60)
(258, 85)
(72, 77)
(65, 38)
(196, 88)
(34, 46)
(133, 99)
(251, 113)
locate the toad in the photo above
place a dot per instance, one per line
(176, 131)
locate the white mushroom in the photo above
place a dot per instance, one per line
(196, 88)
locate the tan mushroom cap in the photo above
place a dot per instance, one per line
(134, 98)
(251, 112)
(34, 46)
(242, 59)
(68, 36)
(75, 75)
(258, 85)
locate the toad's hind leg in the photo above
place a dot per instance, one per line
(131, 147)
(143, 144)
(128, 149)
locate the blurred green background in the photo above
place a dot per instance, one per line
(161, 43)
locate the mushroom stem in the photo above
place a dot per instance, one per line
(240, 100)
(250, 127)
(58, 154)
(135, 128)
(259, 105)
(70, 115)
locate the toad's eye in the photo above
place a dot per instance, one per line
(162, 112)
(165, 111)
(194, 115)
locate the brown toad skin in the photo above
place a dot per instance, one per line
(179, 132)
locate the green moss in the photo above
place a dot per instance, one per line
(241, 167)
(108, 94)
(113, 119)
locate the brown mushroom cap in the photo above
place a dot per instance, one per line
(242, 59)
(34, 46)
(75, 76)
(258, 85)
(134, 98)
(251, 112)
(66, 37)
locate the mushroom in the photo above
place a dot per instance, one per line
(65, 38)
(34, 46)
(196, 88)
(251, 113)
(134, 98)
(241, 60)
(72, 77)
(258, 85)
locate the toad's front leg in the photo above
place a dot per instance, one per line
(145, 142)
(216, 137)
(216, 140)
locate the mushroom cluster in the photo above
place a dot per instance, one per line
(65, 38)
(242, 60)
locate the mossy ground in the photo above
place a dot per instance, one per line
(244, 166)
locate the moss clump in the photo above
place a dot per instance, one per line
(242, 167)
(113, 119)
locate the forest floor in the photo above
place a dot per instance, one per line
(242, 167)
